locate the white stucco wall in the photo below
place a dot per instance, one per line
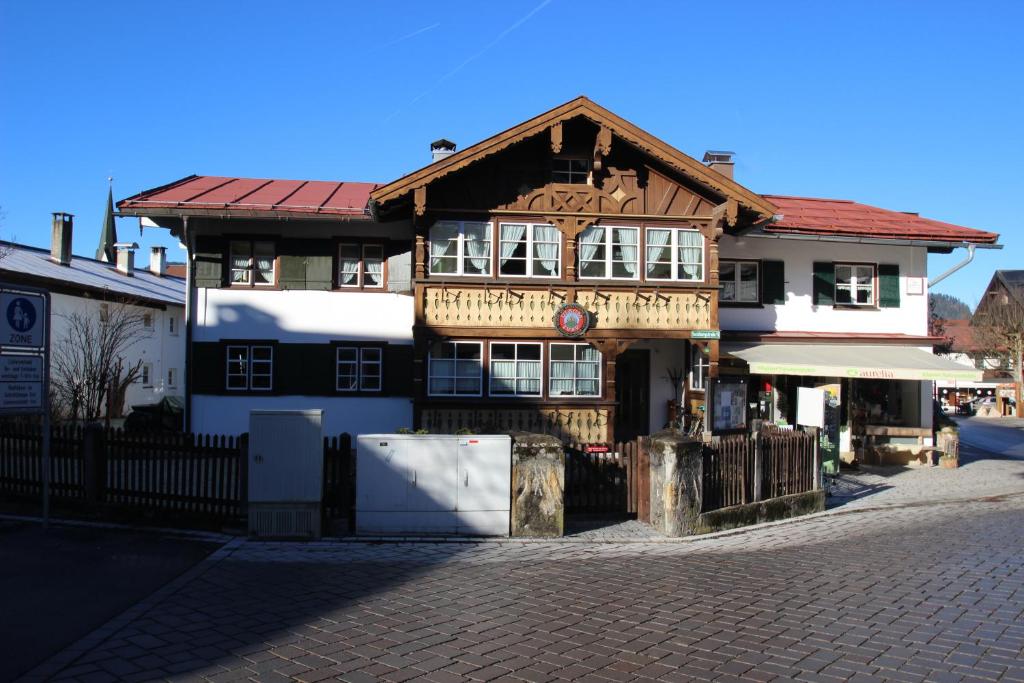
(230, 414)
(156, 347)
(799, 314)
(293, 316)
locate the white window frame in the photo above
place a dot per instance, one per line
(249, 362)
(699, 365)
(855, 284)
(250, 268)
(575, 377)
(736, 281)
(148, 320)
(456, 376)
(674, 254)
(360, 363)
(146, 376)
(609, 261)
(360, 281)
(528, 237)
(515, 378)
(172, 325)
(460, 252)
(172, 377)
(586, 177)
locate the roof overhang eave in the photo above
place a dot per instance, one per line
(236, 214)
(892, 241)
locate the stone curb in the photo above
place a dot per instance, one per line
(71, 653)
(189, 534)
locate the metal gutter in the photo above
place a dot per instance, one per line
(970, 257)
(877, 240)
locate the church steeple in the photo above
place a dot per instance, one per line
(108, 233)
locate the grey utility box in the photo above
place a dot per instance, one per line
(413, 484)
(286, 473)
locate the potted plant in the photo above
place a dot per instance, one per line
(949, 461)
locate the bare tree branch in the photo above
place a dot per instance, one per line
(999, 329)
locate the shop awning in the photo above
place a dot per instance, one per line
(848, 360)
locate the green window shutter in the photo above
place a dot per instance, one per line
(824, 283)
(208, 365)
(208, 262)
(397, 370)
(773, 282)
(888, 285)
(318, 272)
(293, 271)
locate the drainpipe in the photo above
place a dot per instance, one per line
(970, 257)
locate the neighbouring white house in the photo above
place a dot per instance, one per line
(92, 287)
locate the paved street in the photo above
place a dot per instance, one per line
(1000, 435)
(914, 575)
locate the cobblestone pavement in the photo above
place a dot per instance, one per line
(911, 593)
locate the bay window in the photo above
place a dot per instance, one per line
(455, 369)
(460, 248)
(739, 280)
(855, 284)
(515, 369)
(675, 254)
(252, 263)
(575, 370)
(529, 250)
(608, 252)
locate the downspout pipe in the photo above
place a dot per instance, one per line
(970, 257)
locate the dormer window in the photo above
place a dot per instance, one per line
(570, 171)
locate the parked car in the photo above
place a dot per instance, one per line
(167, 415)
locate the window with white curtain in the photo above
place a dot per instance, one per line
(455, 369)
(515, 369)
(252, 263)
(739, 281)
(530, 250)
(360, 265)
(460, 248)
(855, 284)
(675, 254)
(574, 370)
(608, 252)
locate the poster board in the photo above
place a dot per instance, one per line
(810, 407)
(728, 405)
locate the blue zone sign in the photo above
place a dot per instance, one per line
(22, 320)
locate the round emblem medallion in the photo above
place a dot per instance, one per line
(572, 320)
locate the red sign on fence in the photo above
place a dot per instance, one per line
(597, 448)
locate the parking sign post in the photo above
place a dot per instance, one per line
(25, 365)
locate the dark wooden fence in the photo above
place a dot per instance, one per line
(606, 482)
(183, 475)
(749, 468)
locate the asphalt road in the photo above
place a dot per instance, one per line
(58, 586)
(1000, 435)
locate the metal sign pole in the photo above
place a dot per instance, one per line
(46, 416)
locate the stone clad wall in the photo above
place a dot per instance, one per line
(538, 486)
(676, 479)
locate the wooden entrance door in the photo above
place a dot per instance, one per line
(633, 394)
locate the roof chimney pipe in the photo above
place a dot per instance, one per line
(60, 239)
(442, 149)
(158, 261)
(126, 257)
(720, 161)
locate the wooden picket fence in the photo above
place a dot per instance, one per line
(743, 469)
(606, 482)
(184, 475)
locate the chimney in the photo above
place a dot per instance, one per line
(442, 149)
(60, 240)
(126, 257)
(720, 161)
(158, 261)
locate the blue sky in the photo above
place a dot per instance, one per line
(913, 106)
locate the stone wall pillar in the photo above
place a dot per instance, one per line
(538, 486)
(677, 467)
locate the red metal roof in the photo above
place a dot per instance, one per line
(255, 195)
(845, 218)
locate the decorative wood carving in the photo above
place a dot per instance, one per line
(421, 257)
(602, 146)
(420, 199)
(582, 424)
(556, 138)
(446, 306)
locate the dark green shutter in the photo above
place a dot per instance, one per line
(773, 282)
(293, 271)
(208, 364)
(824, 283)
(208, 262)
(397, 370)
(318, 272)
(888, 285)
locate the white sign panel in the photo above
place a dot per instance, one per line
(22, 320)
(21, 368)
(810, 407)
(21, 395)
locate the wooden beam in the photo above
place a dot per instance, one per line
(556, 138)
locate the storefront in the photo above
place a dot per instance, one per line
(881, 394)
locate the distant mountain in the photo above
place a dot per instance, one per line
(947, 307)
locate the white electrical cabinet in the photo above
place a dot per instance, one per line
(286, 470)
(408, 483)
